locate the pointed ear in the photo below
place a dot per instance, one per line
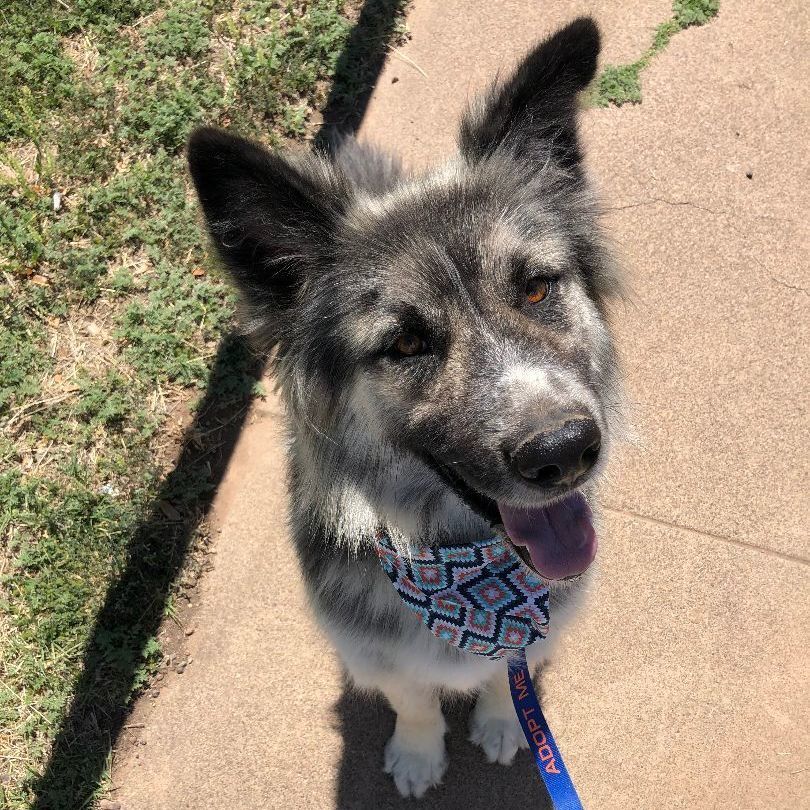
(271, 221)
(536, 109)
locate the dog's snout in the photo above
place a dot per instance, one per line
(560, 454)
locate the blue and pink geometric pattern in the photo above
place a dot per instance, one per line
(479, 597)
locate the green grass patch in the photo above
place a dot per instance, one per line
(114, 320)
(621, 84)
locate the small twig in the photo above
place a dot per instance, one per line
(407, 60)
(43, 456)
(135, 725)
(34, 407)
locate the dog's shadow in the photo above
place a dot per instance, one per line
(471, 783)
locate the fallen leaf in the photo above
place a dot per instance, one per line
(39, 280)
(197, 272)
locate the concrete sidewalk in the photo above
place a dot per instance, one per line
(686, 683)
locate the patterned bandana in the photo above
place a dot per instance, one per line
(479, 596)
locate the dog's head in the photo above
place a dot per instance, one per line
(460, 316)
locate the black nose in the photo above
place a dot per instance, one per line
(560, 454)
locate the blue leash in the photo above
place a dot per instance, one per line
(547, 756)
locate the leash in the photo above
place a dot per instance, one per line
(547, 755)
(482, 599)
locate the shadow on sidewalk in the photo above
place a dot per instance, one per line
(134, 605)
(470, 783)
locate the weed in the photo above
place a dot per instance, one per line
(162, 334)
(694, 12)
(621, 84)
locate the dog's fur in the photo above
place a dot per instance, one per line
(336, 255)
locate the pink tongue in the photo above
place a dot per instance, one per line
(560, 538)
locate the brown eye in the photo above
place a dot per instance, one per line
(409, 345)
(536, 290)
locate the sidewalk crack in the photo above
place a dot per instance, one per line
(794, 558)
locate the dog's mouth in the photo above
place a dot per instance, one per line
(557, 540)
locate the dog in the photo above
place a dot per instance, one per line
(443, 348)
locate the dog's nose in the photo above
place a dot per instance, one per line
(560, 454)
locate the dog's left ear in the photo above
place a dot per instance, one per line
(536, 109)
(271, 220)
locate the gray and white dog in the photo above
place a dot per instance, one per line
(443, 349)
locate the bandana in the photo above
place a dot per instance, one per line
(479, 597)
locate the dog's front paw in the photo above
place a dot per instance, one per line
(415, 765)
(499, 736)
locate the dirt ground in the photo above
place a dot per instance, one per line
(686, 682)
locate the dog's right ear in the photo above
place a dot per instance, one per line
(535, 111)
(271, 222)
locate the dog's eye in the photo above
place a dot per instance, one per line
(408, 345)
(537, 290)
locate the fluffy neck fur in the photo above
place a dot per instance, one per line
(379, 485)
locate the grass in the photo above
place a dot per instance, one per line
(113, 334)
(621, 84)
